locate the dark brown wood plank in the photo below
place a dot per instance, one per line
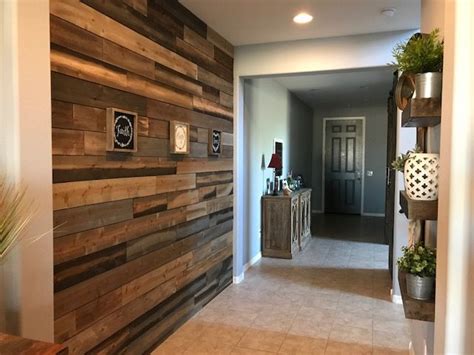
(421, 210)
(67, 35)
(220, 42)
(415, 309)
(222, 57)
(213, 178)
(202, 60)
(68, 89)
(125, 59)
(79, 219)
(422, 113)
(198, 42)
(215, 81)
(181, 13)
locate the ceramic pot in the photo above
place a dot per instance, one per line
(420, 288)
(421, 176)
(428, 85)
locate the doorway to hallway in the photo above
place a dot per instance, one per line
(343, 164)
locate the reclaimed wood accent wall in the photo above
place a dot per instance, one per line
(144, 238)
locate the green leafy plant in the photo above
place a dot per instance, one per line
(15, 213)
(399, 163)
(418, 260)
(420, 54)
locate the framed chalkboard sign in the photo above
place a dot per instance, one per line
(215, 142)
(121, 130)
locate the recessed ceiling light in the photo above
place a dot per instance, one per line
(302, 18)
(389, 12)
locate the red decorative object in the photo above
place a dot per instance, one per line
(275, 162)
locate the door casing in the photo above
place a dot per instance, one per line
(323, 186)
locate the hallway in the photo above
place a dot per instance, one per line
(334, 298)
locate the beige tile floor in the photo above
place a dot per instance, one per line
(334, 298)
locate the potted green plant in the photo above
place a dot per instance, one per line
(422, 58)
(419, 264)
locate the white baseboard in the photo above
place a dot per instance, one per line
(396, 298)
(253, 261)
(238, 279)
(373, 214)
(317, 211)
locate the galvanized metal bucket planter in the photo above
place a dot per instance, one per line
(420, 288)
(428, 85)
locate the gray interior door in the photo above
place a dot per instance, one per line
(343, 166)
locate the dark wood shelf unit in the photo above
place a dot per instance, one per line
(415, 209)
(422, 113)
(415, 309)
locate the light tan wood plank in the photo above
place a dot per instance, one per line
(74, 194)
(67, 142)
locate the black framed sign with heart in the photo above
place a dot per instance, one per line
(121, 130)
(215, 142)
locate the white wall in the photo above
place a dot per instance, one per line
(454, 324)
(26, 157)
(375, 152)
(271, 111)
(341, 53)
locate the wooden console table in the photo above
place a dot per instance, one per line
(286, 223)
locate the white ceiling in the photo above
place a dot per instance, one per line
(342, 89)
(260, 21)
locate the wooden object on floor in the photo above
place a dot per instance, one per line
(422, 113)
(10, 344)
(415, 209)
(415, 309)
(286, 223)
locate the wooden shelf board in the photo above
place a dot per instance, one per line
(422, 113)
(415, 309)
(415, 209)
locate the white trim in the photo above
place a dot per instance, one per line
(238, 279)
(396, 298)
(252, 261)
(373, 214)
(362, 192)
(317, 211)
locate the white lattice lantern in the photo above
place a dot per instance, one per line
(421, 176)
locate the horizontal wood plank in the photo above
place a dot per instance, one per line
(74, 194)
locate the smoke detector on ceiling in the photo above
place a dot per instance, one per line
(389, 12)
